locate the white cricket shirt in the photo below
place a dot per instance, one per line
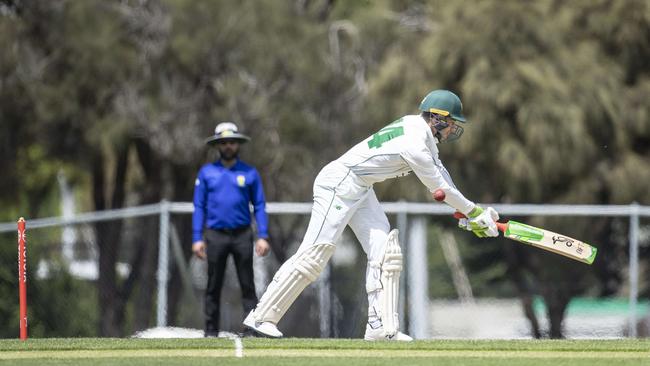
(401, 147)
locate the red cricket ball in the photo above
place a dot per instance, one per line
(439, 195)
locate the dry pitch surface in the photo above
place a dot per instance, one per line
(339, 352)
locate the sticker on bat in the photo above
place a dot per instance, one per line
(563, 239)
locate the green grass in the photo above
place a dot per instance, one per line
(338, 352)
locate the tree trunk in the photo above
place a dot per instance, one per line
(106, 280)
(106, 283)
(529, 311)
(111, 304)
(129, 285)
(556, 302)
(183, 190)
(144, 300)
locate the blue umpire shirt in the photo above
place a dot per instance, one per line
(222, 198)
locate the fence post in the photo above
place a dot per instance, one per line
(418, 288)
(634, 267)
(323, 287)
(163, 264)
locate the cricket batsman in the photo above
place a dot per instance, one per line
(343, 195)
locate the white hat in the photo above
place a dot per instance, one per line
(226, 131)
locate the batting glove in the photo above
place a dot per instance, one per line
(464, 224)
(483, 223)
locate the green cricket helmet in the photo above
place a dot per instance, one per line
(445, 103)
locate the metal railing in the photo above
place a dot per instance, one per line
(416, 241)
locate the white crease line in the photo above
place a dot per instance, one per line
(239, 347)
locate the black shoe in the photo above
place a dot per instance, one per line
(211, 334)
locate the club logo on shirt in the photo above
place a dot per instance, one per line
(197, 182)
(241, 180)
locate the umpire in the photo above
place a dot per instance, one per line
(221, 223)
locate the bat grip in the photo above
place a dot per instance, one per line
(459, 215)
(502, 226)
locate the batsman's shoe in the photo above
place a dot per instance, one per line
(265, 328)
(378, 335)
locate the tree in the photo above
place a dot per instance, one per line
(121, 94)
(553, 98)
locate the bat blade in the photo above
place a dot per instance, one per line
(548, 240)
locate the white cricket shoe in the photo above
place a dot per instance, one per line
(378, 335)
(266, 328)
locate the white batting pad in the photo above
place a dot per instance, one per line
(391, 267)
(290, 280)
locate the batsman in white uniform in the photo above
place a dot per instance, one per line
(343, 195)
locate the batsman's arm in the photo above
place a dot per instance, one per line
(444, 172)
(421, 162)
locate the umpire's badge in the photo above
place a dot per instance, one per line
(241, 180)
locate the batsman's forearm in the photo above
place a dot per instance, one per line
(456, 200)
(423, 165)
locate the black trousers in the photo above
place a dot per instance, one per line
(220, 244)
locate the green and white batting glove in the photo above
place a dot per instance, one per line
(464, 224)
(483, 223)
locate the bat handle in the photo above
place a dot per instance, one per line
(459, 215)
(502, 226)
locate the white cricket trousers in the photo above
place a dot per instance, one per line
(341, 198)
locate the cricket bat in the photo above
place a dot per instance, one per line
(545, 239)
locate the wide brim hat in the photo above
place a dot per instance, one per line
(226, 131)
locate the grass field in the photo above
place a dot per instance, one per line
(339, 352)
